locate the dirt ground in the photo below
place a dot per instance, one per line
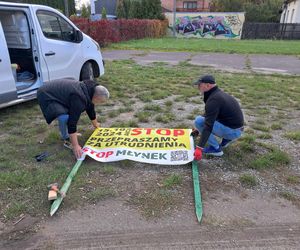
(253, 221)
(234, 217)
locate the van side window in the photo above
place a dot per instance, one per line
(55, 27)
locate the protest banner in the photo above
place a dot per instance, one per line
(150, 145)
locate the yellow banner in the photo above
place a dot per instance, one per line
(150, 145)
(140, 138)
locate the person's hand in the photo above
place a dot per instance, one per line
(95, 123)
(77, 150)
(198, 154)
(194, 132)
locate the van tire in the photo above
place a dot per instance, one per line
(87, 72)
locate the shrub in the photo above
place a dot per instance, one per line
(112, 31)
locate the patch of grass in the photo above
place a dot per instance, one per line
(295, 135)
(179, 99)
(246, 147)
(248, 180)
(293, 179)
(53, 137)
(100, 193)
(172, 181)
(168, 103)
(125, 109)
(249, 131)
(159, 94)
(217, 45)
(276, 126)
(101, 119)
(263, 111)
(153, 93)
(246, 143)
(109, 170)
(182, 125)
(23, 126)
(125, 124)
(248, 138)
(14, 210)
(113, 113)
(264, 136)
(260, 127)
(185, 63)
(260, 122)
(187, 93)
(155, 203)
(291, 197)
(143, 116)
(165, 118)
(197, 101)
(145, 96)
(196, 111)
(273, 159)
(190, 117)
(152, 107)
(158, 64)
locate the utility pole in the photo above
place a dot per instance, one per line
(174, 18)
(66, 8)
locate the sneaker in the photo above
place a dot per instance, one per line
(225, 143)
(68, 144)
(210, 150)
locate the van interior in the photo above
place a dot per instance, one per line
(17, 34)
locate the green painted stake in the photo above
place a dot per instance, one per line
(65, 187)
(197, 191)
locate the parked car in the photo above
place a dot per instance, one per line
(97, 17)
(39, 44)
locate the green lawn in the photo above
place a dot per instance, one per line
(276, 47)
(158, 95)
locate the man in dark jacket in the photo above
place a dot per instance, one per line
(223, 118)
(65, 100)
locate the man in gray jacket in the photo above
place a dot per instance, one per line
(65, 100)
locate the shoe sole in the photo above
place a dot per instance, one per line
(229, 143)
(68, 146)
(215, 154)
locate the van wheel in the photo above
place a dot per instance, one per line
(87, 72)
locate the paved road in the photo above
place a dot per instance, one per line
(277, 64)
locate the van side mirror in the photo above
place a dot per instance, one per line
(78, 36)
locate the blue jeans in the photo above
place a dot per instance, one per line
(63, 126)
(218, 130)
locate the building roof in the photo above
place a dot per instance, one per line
(166, 10)
(109, 5)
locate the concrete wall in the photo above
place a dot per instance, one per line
(208, 24)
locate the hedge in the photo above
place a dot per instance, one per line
(112, 31)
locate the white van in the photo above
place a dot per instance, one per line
(39, 44)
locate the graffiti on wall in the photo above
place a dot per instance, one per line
(210, 25)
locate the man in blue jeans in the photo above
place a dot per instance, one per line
(223, 118)
(65, 100)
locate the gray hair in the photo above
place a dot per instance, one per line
(101, 92)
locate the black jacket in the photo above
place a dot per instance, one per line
(221, 107)
(65, 96)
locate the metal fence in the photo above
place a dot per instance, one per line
(286, 31)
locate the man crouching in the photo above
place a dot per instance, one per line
(65, 100)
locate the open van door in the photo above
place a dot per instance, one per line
(8, 91)
(59, 44)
